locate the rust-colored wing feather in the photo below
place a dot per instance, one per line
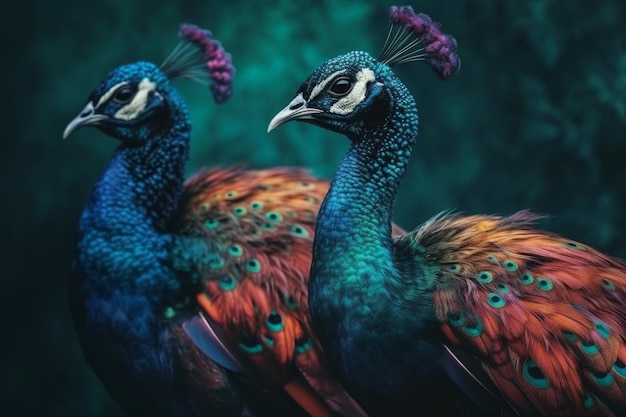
(545, 315)
(254, 283)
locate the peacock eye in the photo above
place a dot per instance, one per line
(341, 86)
(124, 94)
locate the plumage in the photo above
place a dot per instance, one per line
(519, 320)
(190, 296)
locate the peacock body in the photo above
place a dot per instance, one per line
(467, 314)
(190, 296)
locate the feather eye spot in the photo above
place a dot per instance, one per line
(211, 223)
(573, 245)
(253, 265)
(588, 401)
(495, 300)
(473, 328)
(311, 200)
(544, 284)
(227, 283)
(603, 329)
(268, 340)
(204, 206)
(216, 263)
(268, 226)
(239, 211)
(299, 231)
(484, 277)
(251, 346)
(304, 347)
(230, 195)
(454, 268)
(620, 367)
(456, 319)
(608, 285)
(533, 374)
(509, 265)
(526, 278)
(235, 250)
(602, 379)
(589, 347)
(569, 336)
(503, 288)
(492, 259)
(292, 304)
(273, 216)
(274, 322)
(256, 205)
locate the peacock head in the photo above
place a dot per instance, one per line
(135, 100)
(351, 92)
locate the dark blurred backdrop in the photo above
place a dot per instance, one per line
(535, 119)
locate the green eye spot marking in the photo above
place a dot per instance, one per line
(602, 329)
(569, 336)
(589, 347)
(495, 300)
(484, 277)
(588, 401)
(456, 319)
(620, 367)
(211, 223)
(526, 278)
(304, 347)
(544, 284)
(503, 288)
(204, 206)
(227, 283)
(533, 374)
(239, 211)
(454, 268)
(473, 329)
(216, 263)
(299, 231)
(274, 322)
(292, 303)
(251, 346)
(310, 200)
(608, 285)
(253, 265)
(492, 259)
(573, 245)
(268, 341)
(235, 250)
(604, 380)
(230, 195)
(256, 205)
(268, 226)
(509, 265)
(273, 216)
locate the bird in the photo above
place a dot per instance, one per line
(490, 309)
(189, 295)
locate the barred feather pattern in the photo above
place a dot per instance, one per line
(545, 315)
(260, 226)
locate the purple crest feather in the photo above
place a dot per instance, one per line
(202, 58)
(419, 39)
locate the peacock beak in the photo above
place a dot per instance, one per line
(296, 110)
(86, 117)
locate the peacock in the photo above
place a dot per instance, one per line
(480, 311)
(189, 296)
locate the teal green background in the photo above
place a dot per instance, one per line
(535, 119)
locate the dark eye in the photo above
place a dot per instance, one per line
(124, 94)
(341, 86)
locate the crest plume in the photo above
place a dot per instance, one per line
(418, 38)
(202, 58)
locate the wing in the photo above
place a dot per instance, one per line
(544, 315)
(252, 286)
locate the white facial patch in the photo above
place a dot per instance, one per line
(106, 96)
(139, 102)
(322, 86)
(347, 104)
